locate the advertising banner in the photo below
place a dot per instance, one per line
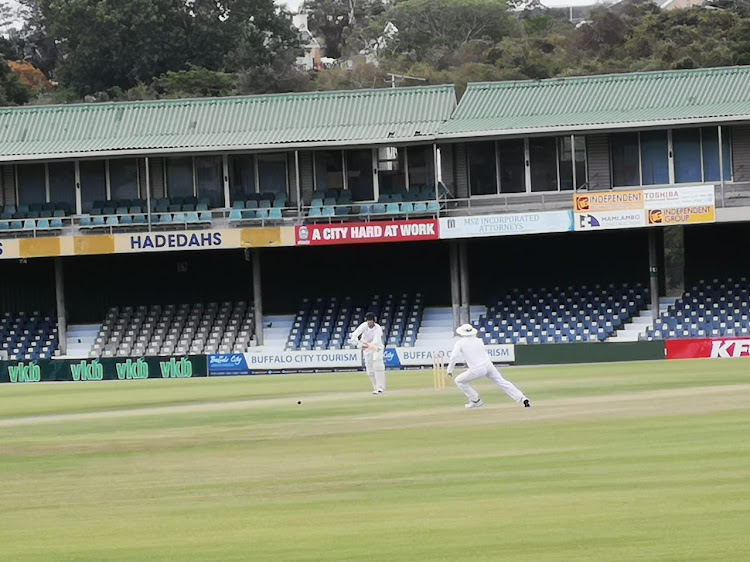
(77, 370)
(247, 363)
(367, 232)
(708, 348)
(397, 357)
(649, 207)
(605, 220)
(507, 224)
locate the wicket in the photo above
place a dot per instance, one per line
(439, 373)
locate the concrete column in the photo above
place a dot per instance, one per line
(257, 296)
(455, 283)
(62, 323)
(463, 258)
(653, 273)
(674, 260)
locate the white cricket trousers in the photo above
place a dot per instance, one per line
(375, 368)
(490, 371)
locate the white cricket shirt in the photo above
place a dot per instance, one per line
(471, 348)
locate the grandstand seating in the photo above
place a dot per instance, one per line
(327, 323)
(719, 308)
(35, 219)
(28, 337)
(419, 200)
(175, 330)
(560, 316)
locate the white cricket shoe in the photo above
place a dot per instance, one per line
(474, 403)
(380, 391)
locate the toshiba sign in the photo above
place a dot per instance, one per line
(708, 348)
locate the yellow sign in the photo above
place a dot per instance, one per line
(682, 215)
(609, 201)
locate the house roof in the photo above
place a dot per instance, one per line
(304, 120)
(590, 103)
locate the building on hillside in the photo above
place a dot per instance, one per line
(311, 51)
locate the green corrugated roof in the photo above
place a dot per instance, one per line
(234, 123)
(601, 102)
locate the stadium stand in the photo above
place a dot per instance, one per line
(26, 337)
(419, 200)
(561, 315)
(325, 323)
(719, 308)
(172, 329)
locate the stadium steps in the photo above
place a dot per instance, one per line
(635, 329)
(80, 339)
(275, 337)
(436, 327)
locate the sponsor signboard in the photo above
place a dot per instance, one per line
(715, 348)
(247, 363)
(649, 207)
(367, 232)
(81, 370)
(506, 224)
(140, 242)
(397, 357)
(605, 220)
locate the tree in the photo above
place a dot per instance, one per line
(12, 91)
(433, 30)
(121, 44)
(339, 23)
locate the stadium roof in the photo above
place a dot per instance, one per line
(304, 120)
(643, 99)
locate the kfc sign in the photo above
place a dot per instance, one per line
(366, 232)
(708, 348)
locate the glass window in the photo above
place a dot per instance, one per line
(241, 177)
(93, 183)
(421, 167)
(272, 173)
(179, 176)
(329, 170)
(567, 159)
(512, 157)
(359, 174)
(62, 183)
(710, 139)
(32, 185)
(209, 174)
(482, 176)
(391, 169)
(123, 178)
(654, 157)
(543, 163)
(625, 160)
(686, 145)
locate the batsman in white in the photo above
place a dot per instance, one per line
(369, 337)
(472, 350)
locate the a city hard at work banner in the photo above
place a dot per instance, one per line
(645, 207)
(505, 225)
(367, 232)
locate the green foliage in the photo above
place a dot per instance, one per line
(12, 91)
(196, 82)
(340, 23)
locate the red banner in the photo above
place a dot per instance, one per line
(366, 232)
(708, 348)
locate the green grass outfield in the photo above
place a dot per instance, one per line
(640, 461)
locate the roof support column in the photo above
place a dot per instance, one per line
(225, 175)
(653, 274)
(455, 282)
(62, 323)
(721, 163)
(296, 181)
(148, 192)
(257, 296)
(463, 258)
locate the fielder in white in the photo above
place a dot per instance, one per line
(471, 348)
(369, 337)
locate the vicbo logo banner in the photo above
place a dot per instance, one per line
(708, 348)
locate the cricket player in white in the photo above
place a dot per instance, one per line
(369, 337)
(472, 349)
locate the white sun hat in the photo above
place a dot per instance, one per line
(466, 330)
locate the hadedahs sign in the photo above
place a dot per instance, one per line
(366, 232)
(715, 348)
